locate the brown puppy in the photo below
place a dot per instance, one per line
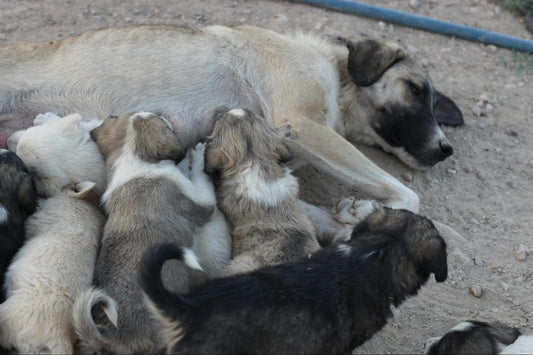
(256, 192)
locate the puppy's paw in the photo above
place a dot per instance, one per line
(44, 117)
(351, 211)
(196, 159)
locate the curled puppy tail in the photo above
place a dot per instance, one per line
(165, 306)
(92, 338)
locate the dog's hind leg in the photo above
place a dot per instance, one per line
(326, 150)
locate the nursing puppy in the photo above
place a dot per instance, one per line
(52, 268)
(475, 337)
(329, 302)
(18, 200)
(148, 200)
(59, 152)
(256, 192)
(330, 93)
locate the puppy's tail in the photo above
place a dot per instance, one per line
(92, 338)
(165, 305)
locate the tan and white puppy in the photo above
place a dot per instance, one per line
(54, 266)
(59, 152)
(256, 192)
(148, 200)
(330, 93)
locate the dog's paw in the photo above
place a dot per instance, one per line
(351, 211)
(196, 159)
(44, 117)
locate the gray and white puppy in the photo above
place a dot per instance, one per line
(148, 200)
(256, 192)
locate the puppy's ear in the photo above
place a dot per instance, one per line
(436, 260)
(27, 194)
(369, 59)
(446, 111)
(285, 154)
(85, 191)
(155, 140)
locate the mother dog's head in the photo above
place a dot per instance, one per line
(388, 99)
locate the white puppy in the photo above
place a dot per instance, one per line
(58, 152)
(50, 271)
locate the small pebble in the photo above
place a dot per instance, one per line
(382, 25)
(480, 175)
(452, 171)
(484, 98)
(467, 169)
(522, 253)
(478, 261)
(505, 286)
(482, 125)
(510, 184)
(489, 108)
(477, 110)
(414, 4)
(475, 290)
(492, 48)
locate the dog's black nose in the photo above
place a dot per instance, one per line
(446, 148)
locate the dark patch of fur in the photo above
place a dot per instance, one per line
(329, 302)
(19, 197)
(481, 338)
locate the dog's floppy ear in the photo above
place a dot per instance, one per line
(85, 191)
(27, 194)
(155, 140)
(369, 59)
(446, 111)
(436, 260)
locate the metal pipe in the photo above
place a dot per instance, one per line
(425, 23)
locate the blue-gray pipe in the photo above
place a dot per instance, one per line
(425, 23)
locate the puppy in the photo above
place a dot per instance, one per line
(59, 152)
(148, 201)
(329, 302)
(49, 271)
(474, 337)
(256, 193)
(18, 200)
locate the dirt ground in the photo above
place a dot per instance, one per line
(484, 191)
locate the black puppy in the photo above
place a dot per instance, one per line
(329, 302)
(18, 200)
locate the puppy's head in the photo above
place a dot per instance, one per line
(394, 105)
(410, 242)
(239, 137)
(473, 337)
(147, 136)
(59, 152)
(18, 196)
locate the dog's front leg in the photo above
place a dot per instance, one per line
(323, 148)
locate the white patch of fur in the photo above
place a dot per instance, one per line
(4, 214)
(344, 249)
(254, 187)
(13, 140)
(462, 327)
(522, 345)
(44, 117)
(237, 112)
(3, 151)
(190, 259)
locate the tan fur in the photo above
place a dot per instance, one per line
(256, 193)
(299, 81)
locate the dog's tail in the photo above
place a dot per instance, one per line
(166, 306)
(92, 337)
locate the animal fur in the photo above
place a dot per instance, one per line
(18, 200)
(148, 201)
(256, 192)
(329, 302)
(475, 337)
(54, 266)
(328, 93)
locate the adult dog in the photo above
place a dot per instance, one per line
(326, 94)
